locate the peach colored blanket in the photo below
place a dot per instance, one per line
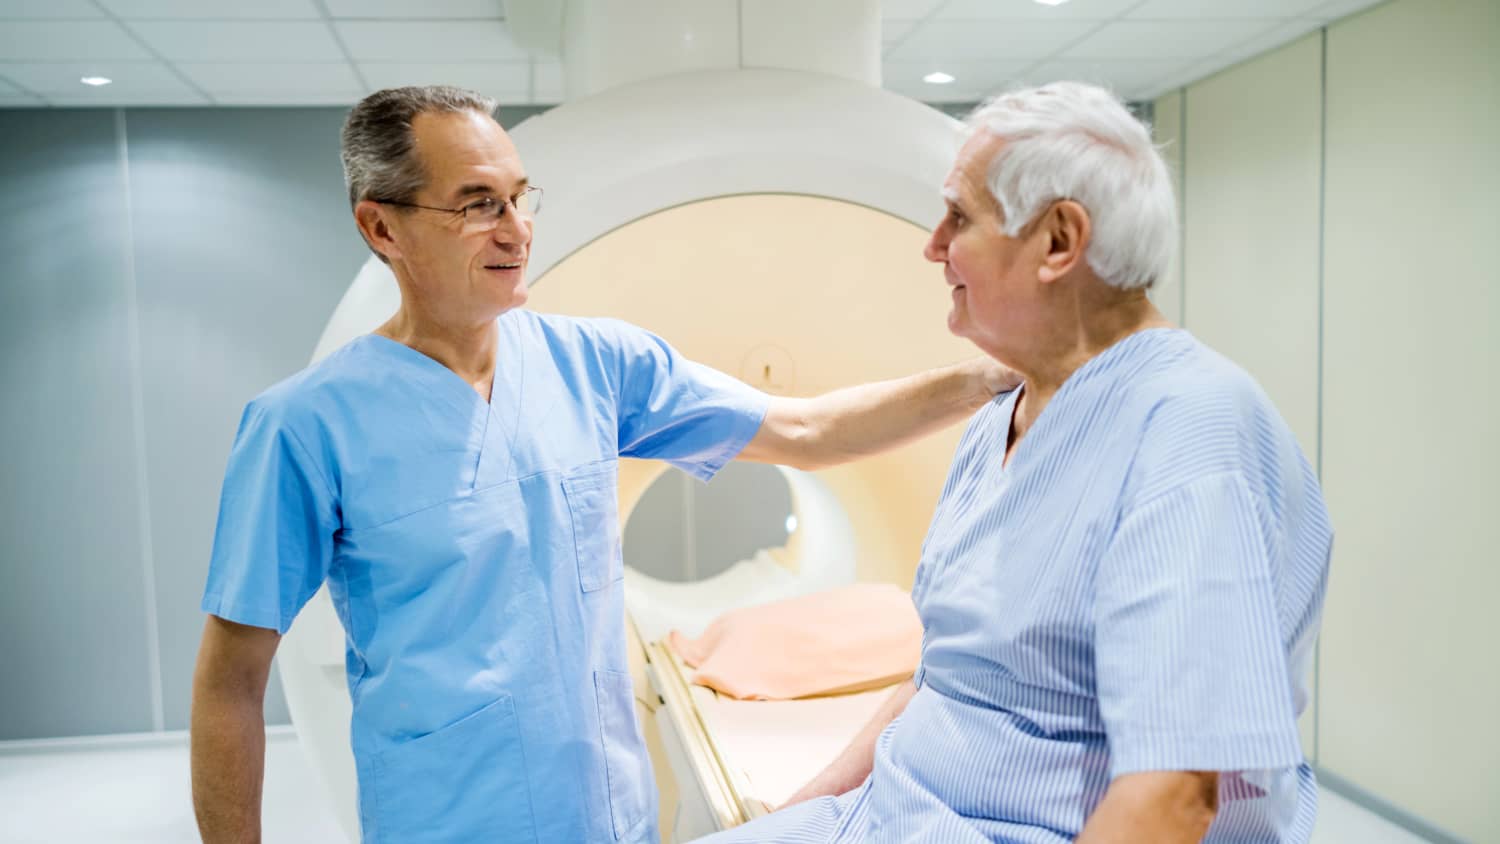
(843, 640)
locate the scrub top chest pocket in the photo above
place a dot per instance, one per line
(591, 494)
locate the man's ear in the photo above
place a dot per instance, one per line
(374, 226)
(1067, 230)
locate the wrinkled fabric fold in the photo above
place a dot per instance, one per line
(843, 640)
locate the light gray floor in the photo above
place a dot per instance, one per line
(140, 795)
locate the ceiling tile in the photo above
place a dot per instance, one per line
(212, 9)
(907, 8)
(241, 41)
(1030, 10)
(1282, 35)
(21, 101)
(1195, 72)
(1336, 9)
(52, 9)
(61, 78)
(938, 94)
(428, 9)
(1128, 79)
(135, 83)
(419, 41)
(506, 81)
(1167, 39)
(1223, 9)
(262, 79)
(1206, 67)
(60, 41)
(990, 40)
(975, 77)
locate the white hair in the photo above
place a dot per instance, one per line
(1071, 140)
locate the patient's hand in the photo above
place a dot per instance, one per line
(834, 780)
(818, 787)
(853, 766)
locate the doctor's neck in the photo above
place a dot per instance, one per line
(467, 347)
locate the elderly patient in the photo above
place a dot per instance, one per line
(1124, 577)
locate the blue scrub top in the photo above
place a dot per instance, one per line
(1139, 589)
(472, 551)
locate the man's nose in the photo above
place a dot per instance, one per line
(513, 227)
(936, 249)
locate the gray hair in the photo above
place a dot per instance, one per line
(1070, 140)
(377, 140)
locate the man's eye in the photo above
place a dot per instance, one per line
(483, 206)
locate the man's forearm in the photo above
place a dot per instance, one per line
(228, 760)
(854, 763)
(1170, 807)
(867, 419)
(855, 422)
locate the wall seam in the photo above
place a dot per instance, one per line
(1318, 436)
(1182, 138)
(138, 419)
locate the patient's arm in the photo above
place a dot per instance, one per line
(854, 763)
(854, 422)
(1155, 806)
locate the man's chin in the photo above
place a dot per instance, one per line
(506, 285)
(958, 324)
(516, 301)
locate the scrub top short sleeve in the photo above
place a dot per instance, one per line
(677, 410)
(277, 517)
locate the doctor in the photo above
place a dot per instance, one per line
(452, 478)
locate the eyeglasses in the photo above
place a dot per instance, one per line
(486, 213)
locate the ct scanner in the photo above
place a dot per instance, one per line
(768, 223)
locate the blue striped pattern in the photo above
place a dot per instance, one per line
(1138, 590)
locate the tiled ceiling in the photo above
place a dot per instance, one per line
(317, 52)
(260, 52)
(1140, 48)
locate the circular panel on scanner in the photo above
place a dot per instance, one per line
(681, 530)
(797, 295)
(694, 551)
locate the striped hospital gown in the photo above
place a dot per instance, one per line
(1138, 590)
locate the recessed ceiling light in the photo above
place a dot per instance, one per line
(1052, 2)
(96, 81)
(937, 77)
